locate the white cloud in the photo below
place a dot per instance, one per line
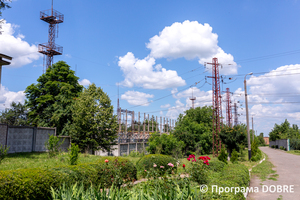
(84, 82)
(144, 73)
(165, 106)
(15, 46)
(7, 97)
(190, 40)
(137, 98)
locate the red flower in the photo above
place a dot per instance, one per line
(207, 157)
(188, 159)
(106, 161)
(183, 165)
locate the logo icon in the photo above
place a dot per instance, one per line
(203, 188)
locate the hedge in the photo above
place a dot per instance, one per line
(147, 162)
(36, 183)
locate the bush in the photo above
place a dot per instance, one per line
(216, 165)
(3, 152)
(295, 144)
(147, 162)
(241, 152)
(52, 145)
(223, 155)
(282, 148)
(234, 156)
(73, 154)
(36, 183)
(256, 153)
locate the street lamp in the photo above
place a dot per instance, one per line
(247, 117)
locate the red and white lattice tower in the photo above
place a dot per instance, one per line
(50, 49)
(228, 108)
(217, 106)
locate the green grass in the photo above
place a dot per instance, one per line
(295, 152)
(264, 171)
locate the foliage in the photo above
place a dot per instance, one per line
(199, 169)
(284, 131)
(3, 152)
(73, 154)
(242, 152)
(282, 148)
(234, 156)
(295, 144)
(233, 137)
(50, 101)
(3, 5)
(223, 155)
(165, 144)
(52, 145)
(15, 116)
(261, 141)
(264, 170)
(36, 183)
(216, 165)
(195, 129)
(147, 162)
(256, 153)
(94, 124)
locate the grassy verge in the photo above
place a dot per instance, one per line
(295, 152)
(264, 171)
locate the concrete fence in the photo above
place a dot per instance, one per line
(28, 139)
(280, 143)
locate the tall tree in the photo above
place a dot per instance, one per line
(94, 124)
(15, 116)
(50, 101)
(195, 129)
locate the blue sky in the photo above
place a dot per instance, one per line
(158, 48)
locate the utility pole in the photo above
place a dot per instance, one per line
(252, 129)
(247, 116)
(228, 108)
(235, 114)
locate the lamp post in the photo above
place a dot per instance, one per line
(247, 117)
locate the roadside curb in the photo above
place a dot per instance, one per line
(247, 192)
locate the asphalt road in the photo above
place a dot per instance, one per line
(287, 166)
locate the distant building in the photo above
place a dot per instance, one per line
(266, 139)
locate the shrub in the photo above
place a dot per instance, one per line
(135, 154)
(52, 145)
(199, 169)
(216, 165)
(73, 154)
(223, 155)
(295, 144)
(241, 152)
(3, 152)
(147, 162)
(234, 156)
(36, 183)
(256, 153)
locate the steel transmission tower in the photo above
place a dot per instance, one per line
(228, 108)
(217, 105)
(235, 114)
(193, 99)
(50, 49)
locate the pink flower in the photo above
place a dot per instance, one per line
(162, 167)
(188, 158)
(145, 170)
(170, 164)
(154, 165)
(106, 161)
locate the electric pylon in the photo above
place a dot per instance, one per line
(50, 49)
(217, 105)
(235, 114)
(228, 108)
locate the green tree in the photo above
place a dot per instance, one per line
(284, 131)
(15, 116)
(233, 137)
(195, 129)
(94, 125)
(50, 101)
(3, 5)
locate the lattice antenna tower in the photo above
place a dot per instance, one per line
(228, 108)
(235, 114)
(193, 99)
(217, 105)
(50, 49)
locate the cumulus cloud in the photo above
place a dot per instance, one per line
(84, 82)
(137, 98)
(146, 74)
(165, 106)
(14, 45)
(190, 40)
(7, 97)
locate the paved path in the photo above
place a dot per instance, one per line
(287, 166)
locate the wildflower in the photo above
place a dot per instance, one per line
(154, 165)
(106, 161)
(183, 165)
(162, 167)
(170, 164)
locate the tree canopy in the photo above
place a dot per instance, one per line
(284, 131)
(94, 124)
(15, 116)
(195, 129)
(50, 101)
